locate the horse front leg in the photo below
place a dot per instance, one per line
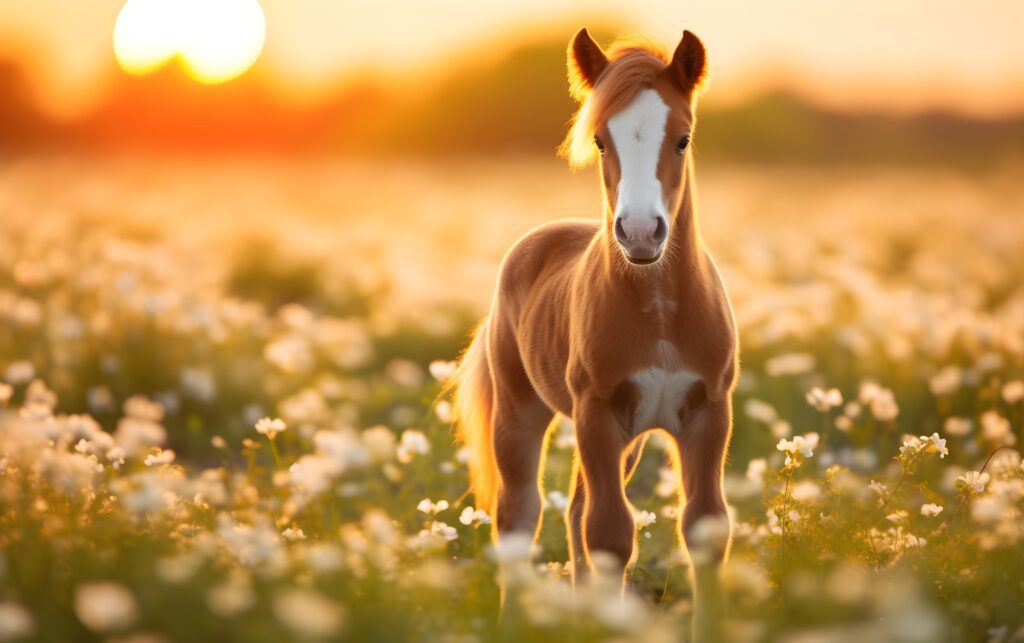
(577, 502)
(704, 523)
(607, 522)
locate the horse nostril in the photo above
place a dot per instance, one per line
(660, 230)
(620, 232)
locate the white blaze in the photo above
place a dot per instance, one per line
(638, 132)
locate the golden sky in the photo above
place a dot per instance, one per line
(894, 54)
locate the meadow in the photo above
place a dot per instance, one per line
(219, 413)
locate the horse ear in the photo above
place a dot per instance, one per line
(586, 62)
(689, 63)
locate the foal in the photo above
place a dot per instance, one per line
(621, 324)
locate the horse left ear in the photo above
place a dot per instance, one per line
(689, 63)
(586, 63)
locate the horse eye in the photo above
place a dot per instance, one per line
(683, 143)
(599, 144)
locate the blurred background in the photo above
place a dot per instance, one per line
(213, 211)
(936, 83)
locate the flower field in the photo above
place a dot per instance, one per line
(219, 413)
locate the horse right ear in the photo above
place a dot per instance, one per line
(586, 63)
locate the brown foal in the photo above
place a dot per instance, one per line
(621, 324)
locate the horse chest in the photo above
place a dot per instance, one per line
(658, 391)
(659, 394)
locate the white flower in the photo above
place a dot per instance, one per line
(474, 517)
(823, 400)
(937, 444)
(930, 509)
(443, 530)
(270, 427)
(512, 547)
(644, 519)
(441, 370)
(878, 487)
(430, 507)
(801, 446)
(557, 500)
(957, 426)
(162, 456)
(15, 621)
(973, 481)
(105, 606)
(884, 406)
(1013, 391)
(413, 442)
(756, 469)
(307, 612)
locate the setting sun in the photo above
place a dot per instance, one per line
(215, 40)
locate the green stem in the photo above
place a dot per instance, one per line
(273, 451)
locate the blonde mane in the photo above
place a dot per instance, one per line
(633, 64)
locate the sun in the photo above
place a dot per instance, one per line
(215, 40)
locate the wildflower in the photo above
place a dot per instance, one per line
(474, 517)
(231, 597)
(946, 382)
(443, 411)
(995, 428)
(806, 491)
(513, 547)
(937, 445)
(105, 606)
(431, 508)
(884, 406)
(443, 530)
(761, 411)
(878, 487)
(644, 519)
(380, 442)
(900, 516)
(307, 613)
(1012, 391)
(756, 469)
(798, 448)
(822, 400)
(790, 364)
(15, 622)
(441, 370)
(914, 448)
(957, 426)
(972, 482)
(930, 509)
(557, 500)
(161, 456)
(270, 427)
(412, 442)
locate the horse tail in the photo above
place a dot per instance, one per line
(473, 401)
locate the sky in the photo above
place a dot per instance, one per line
(896, 55)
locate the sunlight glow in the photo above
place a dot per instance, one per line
(216, 40)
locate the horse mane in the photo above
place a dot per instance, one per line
(633, 64)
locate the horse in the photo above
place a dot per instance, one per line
(622, 324)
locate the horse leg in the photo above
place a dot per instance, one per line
(702, 445)
(607, 520)
(577, 500)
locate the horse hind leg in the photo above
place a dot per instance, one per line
(519, 429)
